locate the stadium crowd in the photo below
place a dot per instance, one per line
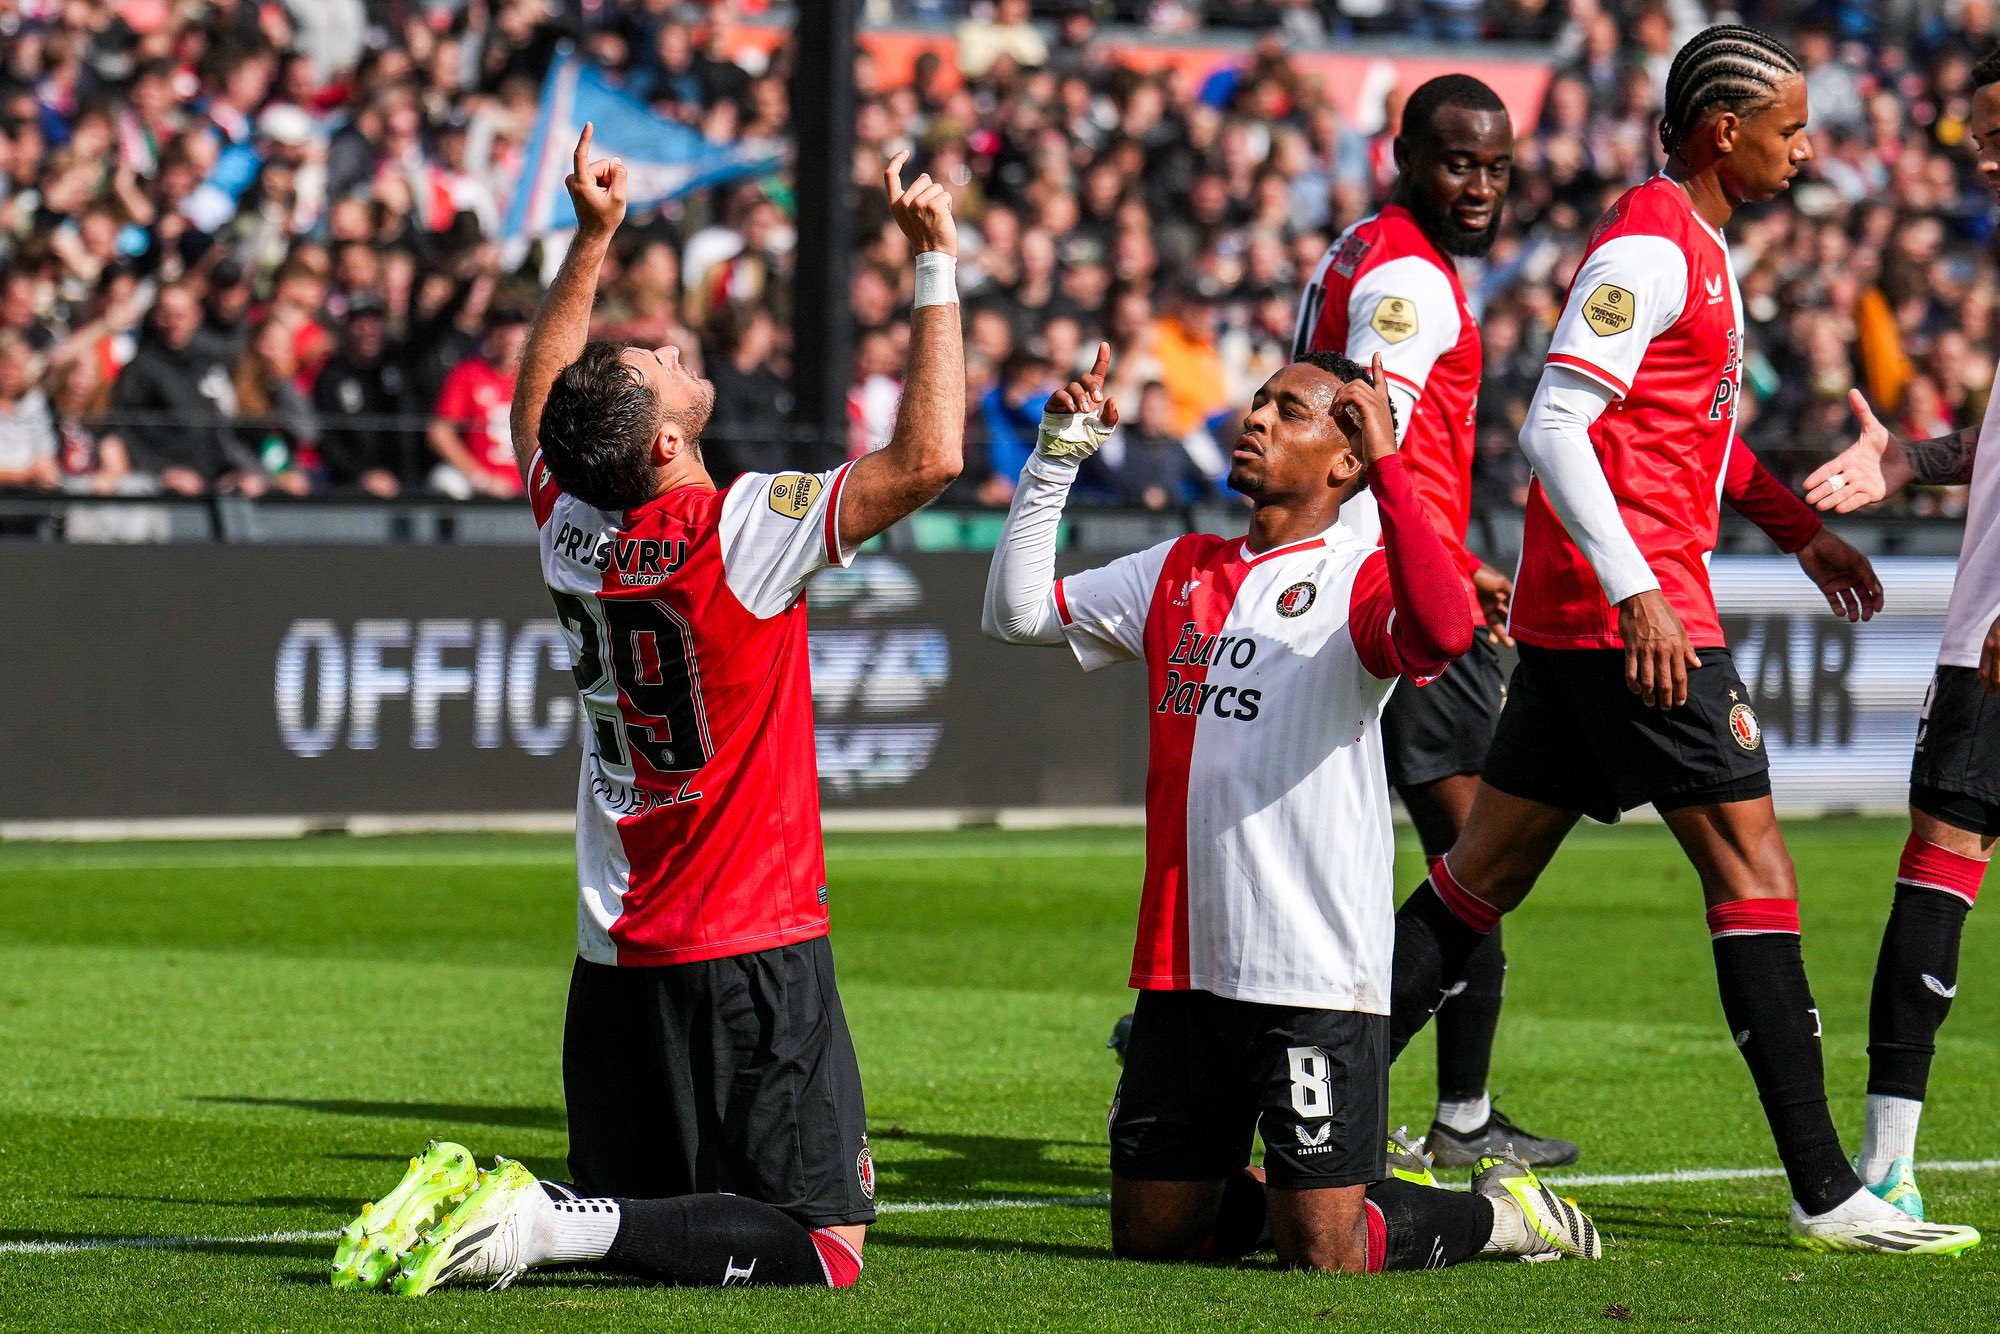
(254, 247)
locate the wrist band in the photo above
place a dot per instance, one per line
(937, 279)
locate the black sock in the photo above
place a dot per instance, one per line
(1428, 1228)
(1433, 946)
(1242, 1223)
(1769, 1006)
(714, 1241)
(1915, 976)
(1466, 1023)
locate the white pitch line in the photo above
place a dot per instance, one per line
(1691, 1176)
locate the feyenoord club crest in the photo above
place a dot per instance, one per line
(1295, 600)
(864, 1168)
(1743, 726)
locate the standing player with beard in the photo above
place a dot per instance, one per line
(1389, 287)
(1955, 779)
(1626, 693)
(1265, 924)
(717, 1135)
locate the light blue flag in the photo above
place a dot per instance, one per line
(663, 158)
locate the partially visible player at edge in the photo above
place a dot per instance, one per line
(717, 1135)
(1955, 779)
(1389, 287)
(1265, 924)
(1626, 693)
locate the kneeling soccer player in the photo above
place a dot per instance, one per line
(1266, 929)
(716, 1121)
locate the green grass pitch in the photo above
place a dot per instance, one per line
(217, 1041)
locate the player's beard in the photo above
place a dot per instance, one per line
(693, 415)
(1453, 237)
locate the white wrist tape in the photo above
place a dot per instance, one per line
(1071, 435)
(937, 279)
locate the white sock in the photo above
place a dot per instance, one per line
(1891, 1134)
(1511, 1235)
(1465, 1117)
(1860, 1207)
(570, 1230)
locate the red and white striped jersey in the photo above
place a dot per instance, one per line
(697, 810)
(1384, 289)
(1269, 855)
(1654, 316)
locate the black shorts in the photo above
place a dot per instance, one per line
(734, 1075)
(1956, 774)
(1204, 1073)
(1442, 729)
(1572, 736)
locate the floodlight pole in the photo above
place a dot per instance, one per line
(823, 110)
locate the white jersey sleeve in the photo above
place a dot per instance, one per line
(1628, 292)
(1405, 312)
(777, 530)
(1104, 610)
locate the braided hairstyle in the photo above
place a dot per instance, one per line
(1987, 70)
(1726, 66)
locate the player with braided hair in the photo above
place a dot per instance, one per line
(1626, 693)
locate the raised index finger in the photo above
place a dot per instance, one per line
(892, 175)
(583, 149)
(1102, 366)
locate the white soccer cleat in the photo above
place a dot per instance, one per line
(1863, 1223)
(1530, 1220)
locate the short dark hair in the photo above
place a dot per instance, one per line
(598, 428)
(1447, 90)
(1727, 66)
(1987, 71)
(1344, 369)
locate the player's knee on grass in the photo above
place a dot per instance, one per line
(1163, 1221)
(1322, 1229)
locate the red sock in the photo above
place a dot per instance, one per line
(1378, 1238)
(840, 1260)
(1753, 917)
(1467, 907)
(1925, 865)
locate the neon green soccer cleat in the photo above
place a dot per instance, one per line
(480, 1239)
(1897, 1187)
(374, 1242)
(1530, 1220)
(1407, 1161)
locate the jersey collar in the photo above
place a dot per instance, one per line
(1334, 535)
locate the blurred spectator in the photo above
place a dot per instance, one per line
(363, 398)
(27, 431)
(1012, 412)
(1184, 343)
(470, 431)
(93, 458)
(874, 394)
(1004, 36)
(750, 428)
(274, 420)
(1153, 468)
(175, 398)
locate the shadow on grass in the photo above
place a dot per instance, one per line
(889, 1236)
(519, 1118)
(968, 1166)
(1630, 1220)
(548, 1169)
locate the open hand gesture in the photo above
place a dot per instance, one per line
(596, 188)
(1865, 471)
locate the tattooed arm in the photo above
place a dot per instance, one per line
(1877, 464)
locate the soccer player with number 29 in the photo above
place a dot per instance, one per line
(717, 1135)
